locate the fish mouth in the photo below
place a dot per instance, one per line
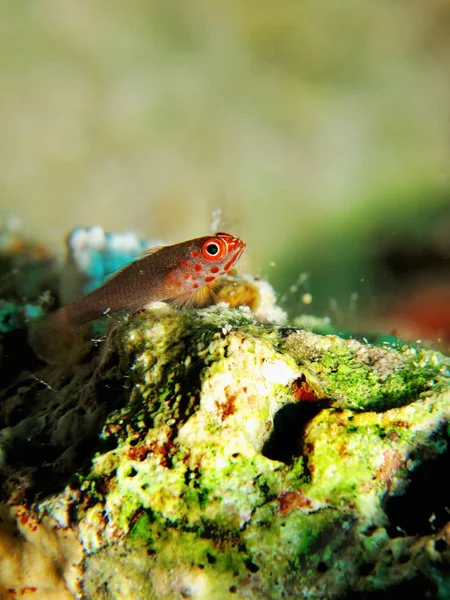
(240, 247)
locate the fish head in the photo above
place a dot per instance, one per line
(207, 258)
(222, 250)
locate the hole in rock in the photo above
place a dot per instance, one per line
(424, 507)
(286, 439)
(251, 566)
(322, 567)
(366, 569)
(440, 545)
(418, 588)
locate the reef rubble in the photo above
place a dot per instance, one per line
(220, 453)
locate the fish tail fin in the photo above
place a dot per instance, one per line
(57, 341)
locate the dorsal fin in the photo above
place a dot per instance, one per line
(149, 252)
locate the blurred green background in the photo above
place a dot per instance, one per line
(320, 128)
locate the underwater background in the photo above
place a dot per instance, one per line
(320, 129)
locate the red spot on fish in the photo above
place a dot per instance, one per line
(184, 262)
(195, 254)
(209, 279)
(195, 285)
(186, 276)
(198, 267)
(214, 270)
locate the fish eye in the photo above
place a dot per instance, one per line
(214, 249)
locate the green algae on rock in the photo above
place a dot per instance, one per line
(191, 493)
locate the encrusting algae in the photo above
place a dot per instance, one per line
(212, 453)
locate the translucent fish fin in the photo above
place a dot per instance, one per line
(149, 252)
(205, 296)
(56, 341)
(182, 301)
